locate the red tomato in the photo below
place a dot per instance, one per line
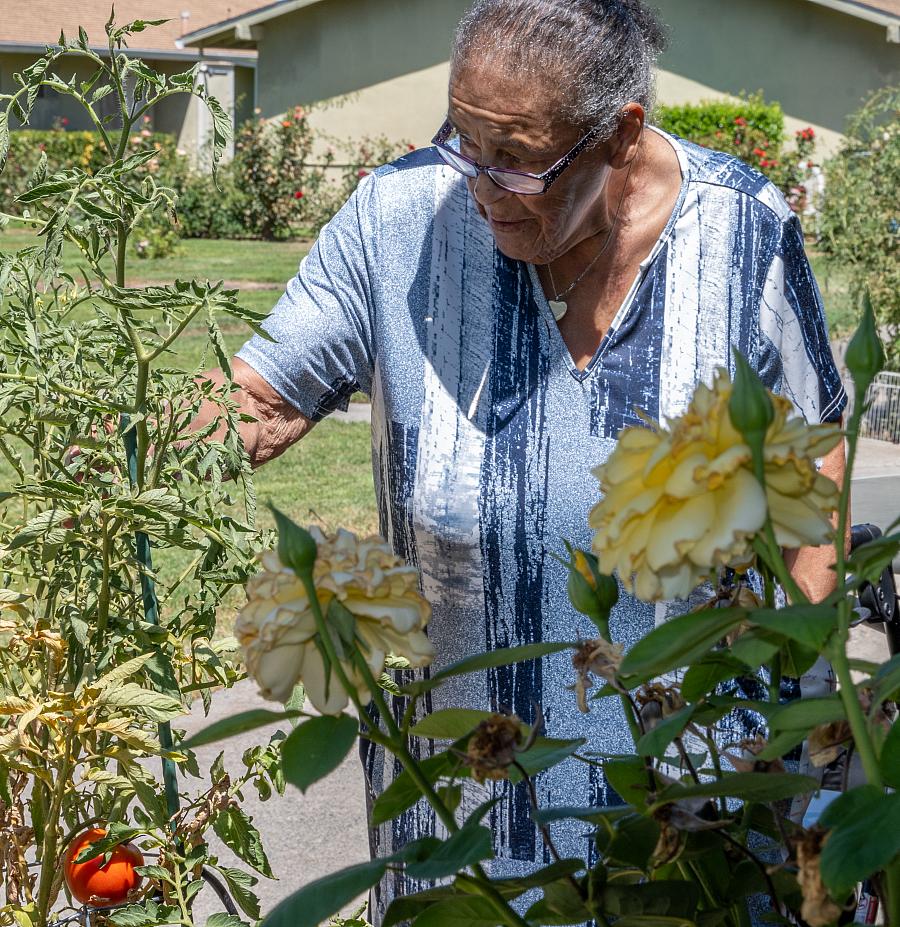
(94, 883)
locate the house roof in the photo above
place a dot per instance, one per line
(883, 12)
(241, 30)
(45, 18)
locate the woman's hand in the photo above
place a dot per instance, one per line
(276, 425)
(813, 567)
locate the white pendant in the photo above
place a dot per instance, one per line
(558, 307)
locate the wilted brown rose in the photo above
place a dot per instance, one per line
(826, 742)
(656, 702)
(746, 759)
(493, 746)
(598, 657)
(819, 909)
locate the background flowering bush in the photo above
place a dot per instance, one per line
(753, 131)
(283, 181)
(859, 225)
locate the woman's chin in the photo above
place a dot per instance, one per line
(517, 247)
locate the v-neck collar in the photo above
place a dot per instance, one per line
(628, 302)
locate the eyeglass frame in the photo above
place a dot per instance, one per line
(547, 177)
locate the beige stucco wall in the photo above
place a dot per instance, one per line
(390, 58)
(409, 108)
(50, 106)
(816, 62)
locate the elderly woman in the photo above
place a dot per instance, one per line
(511, 298)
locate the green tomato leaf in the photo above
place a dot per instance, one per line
(224, 920)
(240, 884)
(316, 748)
(235, 829)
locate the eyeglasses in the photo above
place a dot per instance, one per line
(520, 182)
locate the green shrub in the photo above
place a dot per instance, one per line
(272, 188)
(359, 158)
(704, 120)
(749, 129)
(208, 210)
(85, 151)
(859, 224)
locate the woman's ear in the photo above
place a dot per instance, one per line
(628, 135)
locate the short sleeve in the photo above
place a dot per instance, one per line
(795, 358)
(322, 326)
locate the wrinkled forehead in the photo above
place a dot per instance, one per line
(496, 98)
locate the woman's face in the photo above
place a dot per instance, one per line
(512, 122)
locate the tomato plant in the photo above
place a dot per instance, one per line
(116, 559)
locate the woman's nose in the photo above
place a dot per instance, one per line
(486, 192)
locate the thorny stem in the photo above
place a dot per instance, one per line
(838, 650)
(709, 740)
(548, 842)
(770, 885)
(685, 758)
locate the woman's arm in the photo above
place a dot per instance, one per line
(812, 567)
(277, 423)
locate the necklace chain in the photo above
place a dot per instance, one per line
(558, 297)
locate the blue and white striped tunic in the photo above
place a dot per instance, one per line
(484, 432)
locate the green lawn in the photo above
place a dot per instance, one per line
(326, 478)
(840, 311)
(257, 262)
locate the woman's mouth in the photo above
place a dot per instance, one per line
(504, 223)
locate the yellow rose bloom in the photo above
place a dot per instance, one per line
(681, 502)
(277, 629)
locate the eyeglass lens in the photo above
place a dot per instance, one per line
(509, 180)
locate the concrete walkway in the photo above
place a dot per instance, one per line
(308, 836)
(305, 836)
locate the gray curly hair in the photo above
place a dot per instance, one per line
(599, 52)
